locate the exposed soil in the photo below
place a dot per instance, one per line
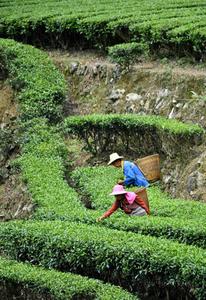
(92, 56)
(8, 107)
(162, 88)
(15, 202)
(14, 198)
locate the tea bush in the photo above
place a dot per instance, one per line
(177, 27)
(105, 133)
(139, 263)
(40, 86)
(127, 54)
(53, 283)
(97, 183)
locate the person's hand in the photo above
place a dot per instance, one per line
(120, 182)
(99, 219)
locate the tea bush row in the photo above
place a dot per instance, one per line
(102, 133)
(179, 25)
(44, 175)
(36, 280)
(43, 149)
(42, 165)
(136, 262)
(174, 219)
(39, 85)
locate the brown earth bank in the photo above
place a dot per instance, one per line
(14, 198)
(95, 85)
(8, 107)
(160, 88)
(8, 129)
(15, 201)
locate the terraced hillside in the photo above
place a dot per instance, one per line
(162, 249)
(59, 250)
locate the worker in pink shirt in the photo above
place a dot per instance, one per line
(129, 202)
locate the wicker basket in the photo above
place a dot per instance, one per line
(150, 166)
(142, 193)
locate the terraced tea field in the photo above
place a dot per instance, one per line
(178, 25)
(60, 251)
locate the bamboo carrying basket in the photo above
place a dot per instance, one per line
(150, 166)
(142, 193)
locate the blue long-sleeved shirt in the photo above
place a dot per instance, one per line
(133, 175)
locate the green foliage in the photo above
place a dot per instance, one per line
(127, 54)
(109, 132)
(135, 261)
(43, 166)
(97, 182)
(56, 200)
(40, 86)
(40, 139)
(164, 205)
(57, 284)
(135, 121)
(177, 26)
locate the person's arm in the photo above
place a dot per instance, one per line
(110, 211)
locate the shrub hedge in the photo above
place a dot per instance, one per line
(108, 132)
(136, 262)
(42, 165)
(127, 54)
(174, 219)
(53, 283)
(178, 26)
(40, 94)
(40, 86)
(85, 248)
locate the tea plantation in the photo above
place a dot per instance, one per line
(178, 25)
(61, 252)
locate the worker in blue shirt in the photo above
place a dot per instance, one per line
(132, 174)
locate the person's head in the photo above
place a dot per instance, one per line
(117, 163)
(115, 160)
(119, 192)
